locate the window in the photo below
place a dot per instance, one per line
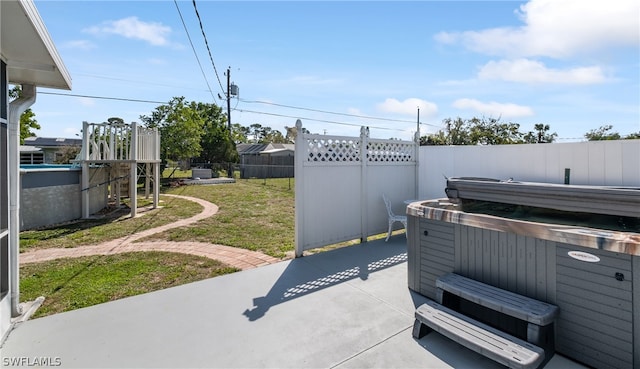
(31, 158)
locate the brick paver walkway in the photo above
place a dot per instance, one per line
(233, 256)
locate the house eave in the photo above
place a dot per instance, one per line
(27, 47)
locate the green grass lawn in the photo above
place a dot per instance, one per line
(69, 284)
(253, 214)
(88, 232)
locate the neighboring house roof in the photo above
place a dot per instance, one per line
(48, 142)
(256, 149)
(279, 146)
(30, 54)
(27, 149)
(248, 149)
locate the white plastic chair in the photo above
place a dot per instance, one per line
(393, 218)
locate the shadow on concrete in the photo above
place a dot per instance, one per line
(316, 272)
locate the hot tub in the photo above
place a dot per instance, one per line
(588, 264)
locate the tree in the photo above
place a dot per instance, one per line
(602, 134)
(435, 139)
(275, 136)
(27, 119)
(493, 132)
(217, 146)
(258, 132)
(540, 135)
(264, 134)
(239, 134)
(181, 128)
(115, 120)
(456, 132)
(66, 154)
(475, 131)
(292, 133)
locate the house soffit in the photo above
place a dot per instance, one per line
(27, 48)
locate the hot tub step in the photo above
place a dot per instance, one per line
(481, 338)
(509, 303)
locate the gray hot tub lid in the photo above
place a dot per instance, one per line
(609, 200)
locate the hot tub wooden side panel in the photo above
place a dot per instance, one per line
(520, 264)
(516, 263)
(595, 323)
(432, 254)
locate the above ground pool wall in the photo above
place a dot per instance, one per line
(51, 196)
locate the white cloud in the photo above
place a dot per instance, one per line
(494, 109)
(558, 29)
(408, 107)
(133, 28)
(530, 71)
(79, 44)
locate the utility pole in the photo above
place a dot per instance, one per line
(230, 169)
(232, 90)
(418, 125)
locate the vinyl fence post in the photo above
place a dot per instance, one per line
(364, 173)
(300, 157)
(416, 142)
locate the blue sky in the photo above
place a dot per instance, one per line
(571, 64)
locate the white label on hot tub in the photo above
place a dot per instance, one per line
(583, 256)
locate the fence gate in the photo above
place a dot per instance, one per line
(339, 182)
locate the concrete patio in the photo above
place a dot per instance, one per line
(346, 308)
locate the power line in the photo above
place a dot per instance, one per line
(207, 44)
(138, 82)
(334, 113)
(103, 97)
(264, 113)
(316, 120)
(239, 110)
(194, 49)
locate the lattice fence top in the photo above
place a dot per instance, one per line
(391, 151)
(323, 148)
(332, 149)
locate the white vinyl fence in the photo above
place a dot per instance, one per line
(597, 163)
(340, 182)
